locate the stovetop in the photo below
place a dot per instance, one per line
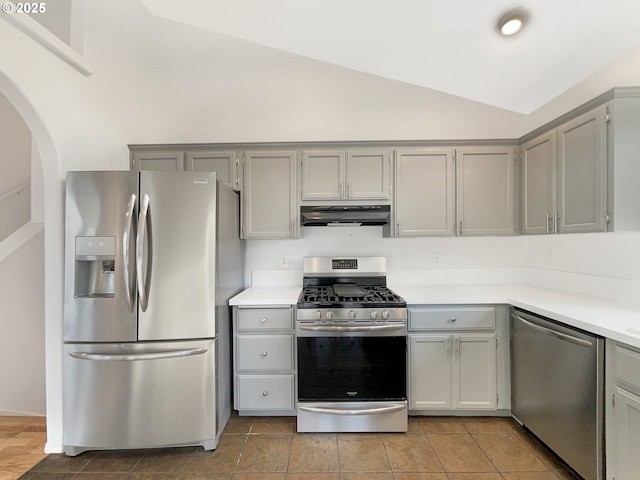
(348, 283)
(347, 295)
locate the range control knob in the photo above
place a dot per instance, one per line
(318, 314)
(329, 315)
(374, 314)
(352, 314)
(385, 314)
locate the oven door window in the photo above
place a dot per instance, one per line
(352, 368)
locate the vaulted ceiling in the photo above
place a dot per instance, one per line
(446, 45)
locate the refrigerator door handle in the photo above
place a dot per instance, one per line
(144, 254)
(128, 357)
(129, 283)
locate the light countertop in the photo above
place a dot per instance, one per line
(269, 296)
(595, 315)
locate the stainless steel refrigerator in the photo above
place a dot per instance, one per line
(151, 260)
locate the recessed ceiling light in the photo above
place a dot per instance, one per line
(512, 22)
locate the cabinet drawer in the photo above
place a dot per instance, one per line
(628, 367)
(265, 319)
(264, 352)
(265, 392)
(452, 318)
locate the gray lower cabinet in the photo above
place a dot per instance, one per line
(269, 206)
(622, 411)
(453, 359)
(425, 192)
(264, 360)
(486, 191)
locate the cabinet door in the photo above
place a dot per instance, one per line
(430, 372)
(323, 175)
(425, 192)
(627, 427)
(223, 163)
(474, 371)
(368, 174)
(582, 173)
(538, 184)
(269, 194)
(486, 181)
(166, 160)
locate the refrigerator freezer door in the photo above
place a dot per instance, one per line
(176, 255)
(139, 395)
(99, 299)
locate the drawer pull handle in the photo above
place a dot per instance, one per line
(452, 319)
(264, 354)
(263, 320)
(265, 394)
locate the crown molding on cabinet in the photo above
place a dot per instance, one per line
(617, 92)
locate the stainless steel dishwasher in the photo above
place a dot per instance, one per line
(557, 389)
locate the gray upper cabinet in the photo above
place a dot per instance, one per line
(368, 174)
(425, 192)
(582, 164)
(224, 163)
(323, 175)
(269, 194)
(538, 184)
(157, 160)
(564, 175)
(485, 193)
(345, 175)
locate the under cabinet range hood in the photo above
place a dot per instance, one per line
(344, 215)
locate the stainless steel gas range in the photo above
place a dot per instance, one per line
(352, 348)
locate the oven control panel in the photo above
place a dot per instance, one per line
(344, 263)
(357, 315)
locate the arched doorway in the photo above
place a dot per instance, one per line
(51, 186)
(21, 269)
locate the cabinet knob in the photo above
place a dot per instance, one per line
(263, 320)
(264, 354)
(265, 393)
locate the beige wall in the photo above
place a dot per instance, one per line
(22, 343)
(623, 72)
(15, 169)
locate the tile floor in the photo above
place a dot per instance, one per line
(260, 448)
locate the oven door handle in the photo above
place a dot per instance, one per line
(337, 328)
(354, 411)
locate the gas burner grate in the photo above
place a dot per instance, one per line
(324, 295)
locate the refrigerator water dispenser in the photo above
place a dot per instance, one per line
(95, 267)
